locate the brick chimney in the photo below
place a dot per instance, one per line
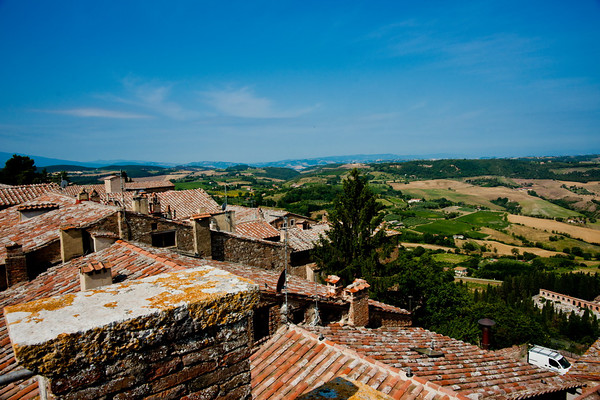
(71, 242)
(16, 265)
(93, 275)
(202, 236)
(357, 294)
(140, 203)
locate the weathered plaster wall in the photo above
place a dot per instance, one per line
(167, 336)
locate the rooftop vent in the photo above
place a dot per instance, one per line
(94, 274)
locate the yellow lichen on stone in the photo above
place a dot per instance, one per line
(112, 304)
(47, 304)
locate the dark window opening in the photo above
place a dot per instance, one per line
(154, 226)
(163, 239)
(260, 323)
(298, 316)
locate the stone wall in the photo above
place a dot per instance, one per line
(254, 252)
(139, 228)
(381, 318)
(182, 335)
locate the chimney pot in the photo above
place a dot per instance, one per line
(486, 325)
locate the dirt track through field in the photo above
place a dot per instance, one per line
(586, 234)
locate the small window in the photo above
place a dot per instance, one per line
(553, 363)
(154, 226)
(260, 323)
(163, 239)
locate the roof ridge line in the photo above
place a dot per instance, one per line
(349, 352)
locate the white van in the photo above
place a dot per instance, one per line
(547, 358)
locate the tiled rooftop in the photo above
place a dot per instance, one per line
(588, 366)
(185, 203)
(464, 368)
(294, 362)
(245, 214)
(13, 195)
(257, 230)
(305, 239)
(43, 229)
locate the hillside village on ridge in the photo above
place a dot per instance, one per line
(138, 291)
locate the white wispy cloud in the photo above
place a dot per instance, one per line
(154, 97)
(96, 113)
(244, 103)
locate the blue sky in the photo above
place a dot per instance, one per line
(253, 81)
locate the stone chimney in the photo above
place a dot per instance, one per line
(202, 236)
(357, 294)
(16, 265)
(154, 205)
(140, 203)
(141, 338)
(94, 196)
(93, 275)
(112, 184)
(83, 196)
(71, 242)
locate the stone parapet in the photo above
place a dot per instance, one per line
(169, 336)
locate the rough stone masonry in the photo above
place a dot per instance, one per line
(179, 335)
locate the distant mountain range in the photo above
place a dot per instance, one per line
(299, 164)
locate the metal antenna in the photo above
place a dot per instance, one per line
(285, 258)
(317, 318)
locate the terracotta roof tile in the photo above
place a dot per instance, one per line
(257, 230)
(305, 239)
(464, 368)
(294, 362)
(44, 229)
(588, 366)
(13, 195)
(184, 203)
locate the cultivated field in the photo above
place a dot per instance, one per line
(458, 191)
(586, 234)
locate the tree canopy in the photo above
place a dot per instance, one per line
(350, 248)
(21, 170)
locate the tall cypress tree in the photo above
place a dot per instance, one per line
(349, 248)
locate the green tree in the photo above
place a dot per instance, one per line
(21, 170)
(350, 247)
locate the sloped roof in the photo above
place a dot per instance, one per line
(245, 214)
(294, 362)
(305, 239)
(43, 229)
(13, 195)
(185, 202)
(588, 366)
(464, 368)
(257, 230)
